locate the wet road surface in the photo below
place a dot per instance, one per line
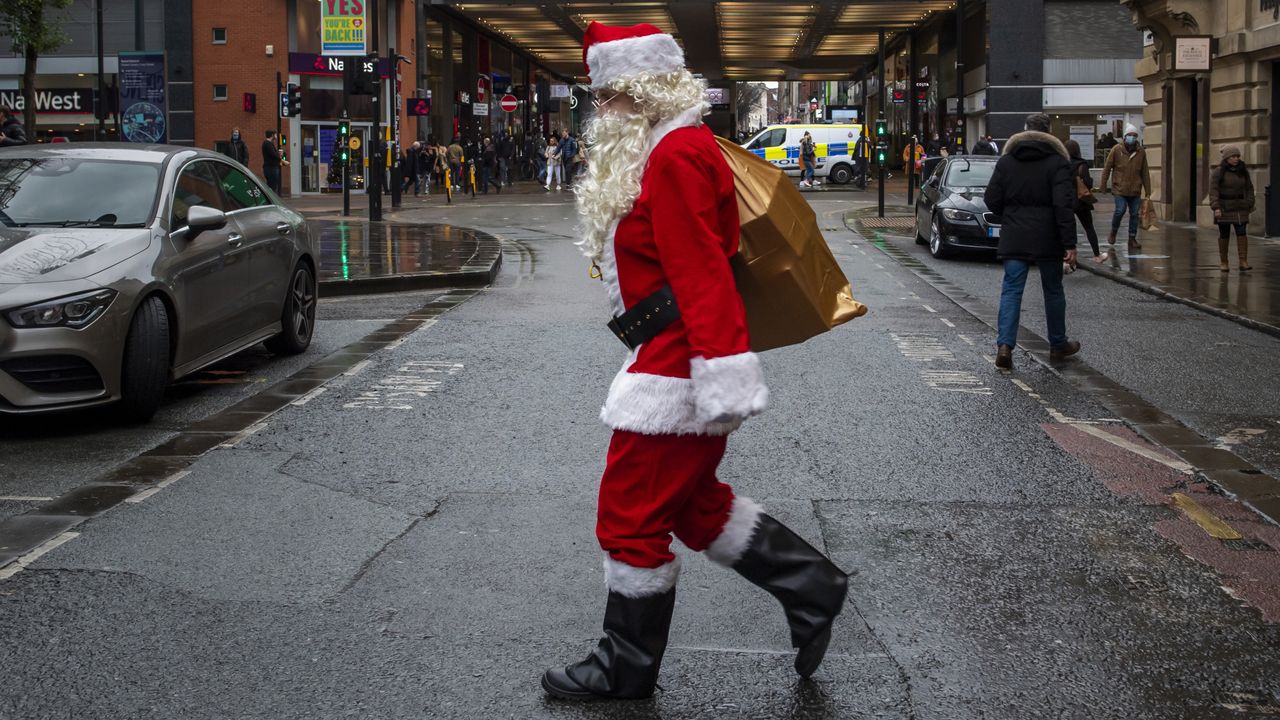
(417, 540)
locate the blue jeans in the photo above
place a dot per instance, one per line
(1055, 301)
(1132, 204)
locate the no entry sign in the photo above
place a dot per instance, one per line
(508, 103)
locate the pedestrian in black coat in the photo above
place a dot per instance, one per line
(239, 151)
(1033, 191)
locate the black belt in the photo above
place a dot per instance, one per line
(646, 319)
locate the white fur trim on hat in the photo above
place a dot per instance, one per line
(728, 388)
(737, 532)
(629, 57)
(636, 582)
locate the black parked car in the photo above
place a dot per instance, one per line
(951, 213)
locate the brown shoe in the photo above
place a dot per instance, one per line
(1004, 357)
(1134, 244)
(1242, 244)
(1111, 239)
(1064, 351)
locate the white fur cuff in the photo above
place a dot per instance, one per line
(737, 532)
(728, 388)
(634, 582)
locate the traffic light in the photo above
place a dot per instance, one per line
(882, 154)
(344, 131)
(882, 130)
(294, 91)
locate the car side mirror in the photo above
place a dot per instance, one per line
(201, 218)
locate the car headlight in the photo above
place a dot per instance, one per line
(74, 311)
(950, 214)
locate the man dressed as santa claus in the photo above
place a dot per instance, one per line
(660, 222)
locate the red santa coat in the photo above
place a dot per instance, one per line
(698, 376)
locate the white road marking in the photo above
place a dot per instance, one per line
(25, 498)
(955, 381)
(21, 563)
(1237, 436)
(947, 322)
(157, 487)
(923, 348)
(926, 307)
(966, 338)
(413, 380)
(878, 265)
(357, 368)
(1133, 447)
(243, 434)
(310, 396)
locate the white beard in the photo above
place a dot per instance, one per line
(618, 146)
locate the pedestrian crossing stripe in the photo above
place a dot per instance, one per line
(793, 152)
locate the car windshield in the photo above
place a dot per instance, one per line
(968, 174)
(76, 192)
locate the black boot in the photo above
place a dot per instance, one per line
(625, 663)
(809, 586)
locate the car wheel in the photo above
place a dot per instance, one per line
(298, 317)
(840, 174)
(145, 371)
(937, 248)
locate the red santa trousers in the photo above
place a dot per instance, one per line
(656, 485)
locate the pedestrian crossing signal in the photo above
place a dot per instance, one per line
(344, 128)
(882, 129)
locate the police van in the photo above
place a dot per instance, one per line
(836, 144)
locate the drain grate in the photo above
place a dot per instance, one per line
(1254, 703)
(1247, 544)
(895, 223)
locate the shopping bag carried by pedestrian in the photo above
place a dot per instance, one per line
(1083, 193)
(1148, 217)
(789, 280)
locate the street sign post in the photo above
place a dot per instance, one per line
(509, 103)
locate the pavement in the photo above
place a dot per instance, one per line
(401, 525)
(1180, 262)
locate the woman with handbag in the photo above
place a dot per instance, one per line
(1232, 197)
(1085, 199)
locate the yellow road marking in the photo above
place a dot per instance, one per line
(1211, 523)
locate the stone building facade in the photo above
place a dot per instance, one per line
(1191, 115)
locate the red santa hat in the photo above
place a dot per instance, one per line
(612, 53)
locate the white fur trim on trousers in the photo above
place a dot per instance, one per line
(737, 532)
(728, 388)
(636, 582)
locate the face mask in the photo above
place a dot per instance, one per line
(1130, 139)
(235, 136)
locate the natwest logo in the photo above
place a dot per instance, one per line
(66, 100)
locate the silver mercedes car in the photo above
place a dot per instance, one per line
(124, 267)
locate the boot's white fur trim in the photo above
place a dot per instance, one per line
(609, 61)
(635, 582)
(728, 388)
(737, 532)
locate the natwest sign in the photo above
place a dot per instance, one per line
(52, 101)
(312, 64)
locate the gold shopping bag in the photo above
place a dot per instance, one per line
(790, 282)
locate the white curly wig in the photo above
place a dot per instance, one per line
(618, 149)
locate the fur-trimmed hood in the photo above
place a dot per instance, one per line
(1034, 145)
